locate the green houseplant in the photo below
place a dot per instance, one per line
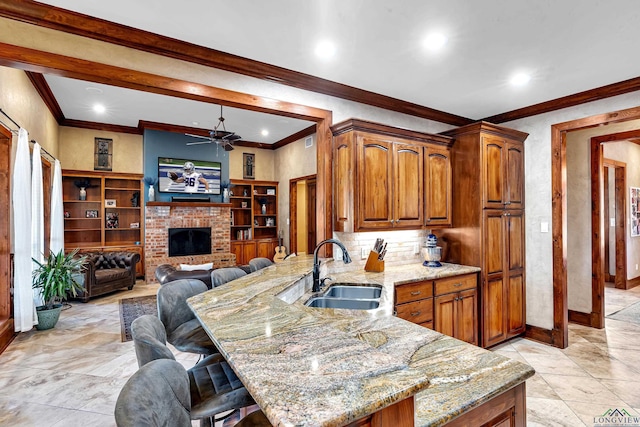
(56, 277)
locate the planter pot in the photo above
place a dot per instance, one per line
(47, 319)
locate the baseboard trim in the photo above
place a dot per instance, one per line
(632, 283)
(542, 335)
(580, 318)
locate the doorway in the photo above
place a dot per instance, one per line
(559, 335)
(615, 244)
(302, 212)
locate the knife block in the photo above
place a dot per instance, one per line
(373, 263)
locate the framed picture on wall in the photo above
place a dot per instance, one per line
(103, 154)
(635, 211)
(248, 166)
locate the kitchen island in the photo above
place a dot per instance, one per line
(324, 367)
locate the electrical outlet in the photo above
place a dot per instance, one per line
(416, 248)
(363, 253)
(636, 267)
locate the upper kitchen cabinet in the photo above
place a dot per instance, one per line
(387, 178)
(503, 172)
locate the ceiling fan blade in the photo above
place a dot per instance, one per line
(233, 137)
(197, 136)
(228, 147)
(199, 142)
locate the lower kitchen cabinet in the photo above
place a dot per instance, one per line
(246, 250)
(448, 305)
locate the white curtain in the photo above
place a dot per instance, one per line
(37, 214)
(23, 306)
(57, 211)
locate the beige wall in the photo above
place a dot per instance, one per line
(19, 99)
(77, 149)
(291, 161)
(263, 167)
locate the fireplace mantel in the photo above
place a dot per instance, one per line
(190, 204)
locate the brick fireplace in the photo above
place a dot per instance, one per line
(161, 216)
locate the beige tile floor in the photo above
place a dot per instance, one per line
(71, 375)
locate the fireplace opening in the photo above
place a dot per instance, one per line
(189, 241)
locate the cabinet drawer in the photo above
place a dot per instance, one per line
(416, 312)
(413, 292)
(455, 284)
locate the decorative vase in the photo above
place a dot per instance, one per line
(83, 193)
(152, 194)
(225, 195)
(47, 319)
(264, 209)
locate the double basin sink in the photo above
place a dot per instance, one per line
(352, 296)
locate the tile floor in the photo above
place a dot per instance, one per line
(71, 375)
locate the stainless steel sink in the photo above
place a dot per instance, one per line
(344, 303)
(343, 290)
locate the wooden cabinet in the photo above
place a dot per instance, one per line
(387, 178)
(108, 217)
(390, 184)
(254, 219)
(489, 222)
(456, 307)
(503, 173)
(448, 305)
(6, 280)
(437, 186)
(414, 302)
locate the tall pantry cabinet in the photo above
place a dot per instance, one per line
(488, 222)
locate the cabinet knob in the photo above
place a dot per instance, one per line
(391, 221)
(415, 293)
(416, 313)
(457, 285)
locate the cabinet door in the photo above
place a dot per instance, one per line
(236, 248)
(437, 186)
(493, 175)
(375, 201)
(494, 242)
(408, 187)
(343, 184)
(467, 316)
(494, 311)
(445, 314)
(266, 248)
(249, 251)
(514, 266)
(514, 175)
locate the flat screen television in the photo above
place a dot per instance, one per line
(176, 176)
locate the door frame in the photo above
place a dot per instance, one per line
(620, 173)
(293, 210)
(559, 335)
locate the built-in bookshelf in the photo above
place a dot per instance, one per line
(107, 215)
(254, 219)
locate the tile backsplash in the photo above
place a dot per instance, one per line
(400, 245)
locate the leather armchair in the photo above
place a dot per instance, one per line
(107, 272)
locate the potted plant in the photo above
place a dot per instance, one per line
(56, 278)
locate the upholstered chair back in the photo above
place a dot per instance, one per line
(157, 395)
(223, 275)
(259, 263)
(149, 339)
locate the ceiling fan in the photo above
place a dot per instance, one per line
(222, 137)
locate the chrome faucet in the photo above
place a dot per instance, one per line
(316, 264)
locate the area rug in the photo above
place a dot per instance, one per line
(131, 309)
(628, 314)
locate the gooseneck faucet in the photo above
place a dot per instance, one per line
(316, 264)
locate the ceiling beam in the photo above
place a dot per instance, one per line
(99, 29)
(43, 89)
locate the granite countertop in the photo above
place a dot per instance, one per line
(325, 367)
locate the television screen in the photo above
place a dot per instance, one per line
(188, 176)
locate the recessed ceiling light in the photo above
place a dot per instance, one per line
(92, 89)
(99, 108)
(325, 49)
(264, 132)
(520, 79)
(435, 41)
(195, 123)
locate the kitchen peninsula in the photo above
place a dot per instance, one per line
(323, 367)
